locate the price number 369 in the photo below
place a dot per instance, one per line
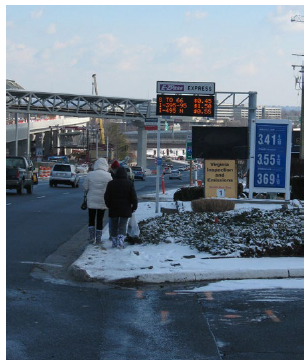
(265, 179)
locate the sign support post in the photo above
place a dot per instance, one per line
(158, 167)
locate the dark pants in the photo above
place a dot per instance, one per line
(95, 215)
(118, 226)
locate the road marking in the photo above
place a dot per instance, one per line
(66, 193)
(164, 316)
(8, 203)
(139, 294)
(43, 196)
(272, 316)
(234, 316)
(209, 295)
(171, 293)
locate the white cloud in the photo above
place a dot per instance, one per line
(73, 62)
(51, 28)
(248, 69)
(189, 47)
(62, 45)
(108, 44)
(36, 14)
(17, 53)
(196, 15)
(9, 24)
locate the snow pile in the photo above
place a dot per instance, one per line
(239, 233)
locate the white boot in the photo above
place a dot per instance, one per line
(120, 241)
(91, 231)
(114, 241)
(98, 236)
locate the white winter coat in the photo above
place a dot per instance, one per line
(96, 184)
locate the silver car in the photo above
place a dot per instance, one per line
(64, 174)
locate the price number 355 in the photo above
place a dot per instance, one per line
(266, 159)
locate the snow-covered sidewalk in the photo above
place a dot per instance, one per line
(172, 262)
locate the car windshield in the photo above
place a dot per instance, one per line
(61, 167)
(15, 162)
(136, 168)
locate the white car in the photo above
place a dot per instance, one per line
(175, 174)
(181, 168)
(82, 168)
(64, 174)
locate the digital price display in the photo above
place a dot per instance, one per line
(270, 155)
(185, 105)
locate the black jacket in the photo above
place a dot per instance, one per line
(120, 196)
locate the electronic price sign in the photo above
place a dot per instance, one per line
(271, 151)
(185, 105)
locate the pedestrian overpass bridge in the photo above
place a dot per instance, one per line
(19, 101)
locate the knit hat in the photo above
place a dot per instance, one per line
(115, 165)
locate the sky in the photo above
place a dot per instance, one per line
(241, 48)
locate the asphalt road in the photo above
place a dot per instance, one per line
(49, 316)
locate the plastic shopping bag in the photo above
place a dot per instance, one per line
(133, 227)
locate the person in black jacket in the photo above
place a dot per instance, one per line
(121, 199)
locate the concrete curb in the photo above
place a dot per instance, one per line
(81, 274)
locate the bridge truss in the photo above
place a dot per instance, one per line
(21, 101)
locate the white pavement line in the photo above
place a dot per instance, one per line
(8, 203)
(43, 196)
(41, 263)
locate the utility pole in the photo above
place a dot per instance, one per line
(300, 19)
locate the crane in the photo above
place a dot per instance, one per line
(100, 120)
(298, 18)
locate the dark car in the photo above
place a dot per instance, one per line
(138, 172)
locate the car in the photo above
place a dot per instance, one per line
(138, 172)
(64, 174)
(175, 174)
(181, 168)
(84, 168)
(167, 170)
(58, 159)
(129, 172)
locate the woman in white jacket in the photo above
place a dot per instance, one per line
(95, 184)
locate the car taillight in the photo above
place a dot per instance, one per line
(17, 175)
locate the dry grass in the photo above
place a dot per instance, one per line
(212, 205)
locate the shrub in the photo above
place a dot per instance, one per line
(189, 193)
(212, 205)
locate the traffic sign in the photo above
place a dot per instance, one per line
(151, 127)
(271, 155)
(189, 151)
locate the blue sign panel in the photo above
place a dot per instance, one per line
(270, 155)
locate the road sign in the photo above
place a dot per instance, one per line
(185, 105)
(199, 88)
(151, 127)
(189, 151)
(158, 161)
(271, 156)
